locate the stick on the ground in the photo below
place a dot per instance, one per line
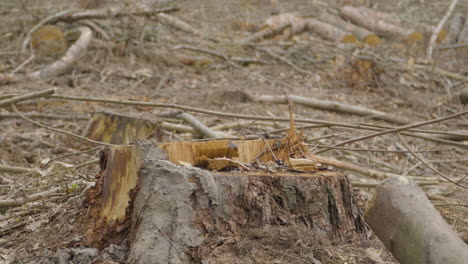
(16, 170)
(332, 106)
(206, 131)
(4, 180)
(248, 117)
(398, 129)
(59, 130)
(421, 159)
(25, 97)
(435, 33)
(352, 167)
(29, 198)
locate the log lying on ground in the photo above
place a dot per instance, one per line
(188, 215)
(330, 32)
(291, 24)
(386, 24)
(411, 228)
(362, 34)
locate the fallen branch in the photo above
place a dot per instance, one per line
(57, 67)
(45, 116)
(4, 180)
(273, 26)
(331, 106)
(17, 170)
(361, 184)
(29, 198)
(368, 19)
(291, 24)
(329, 32)
(249, 117)
(25, 97)
(206, 131)
(59, 130)
(351, 167)
(361, 33)
(398, 129)
(422, 160)
(176, 127)
(435, 33)
(284, 60)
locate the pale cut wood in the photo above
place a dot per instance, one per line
(366, 19)
(329, 32)
(244, 151)
(361, 33)
(119, 178)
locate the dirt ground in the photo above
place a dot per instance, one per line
(139, 58)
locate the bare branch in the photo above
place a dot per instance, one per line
(435, 33)
(29, 198)
(25, 97)
(206, 131)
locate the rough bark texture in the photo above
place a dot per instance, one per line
(411, 228)
(188, 215)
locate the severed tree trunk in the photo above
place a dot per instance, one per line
(178, 214)
(411, 228)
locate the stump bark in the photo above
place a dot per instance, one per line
(180, 214)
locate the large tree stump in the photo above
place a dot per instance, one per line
(190, 215)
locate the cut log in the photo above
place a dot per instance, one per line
(362, 34)
(177, 214)
(330, 32)
(410, 226)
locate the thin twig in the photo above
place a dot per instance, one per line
(421, 159)
(209, 52)
(332, 106)
(249, 117)
(72, 154)
(17, 170)
(29, 198)
(375, 184)
(59, 130)
(398, 129)
(45, 116)
(438, 28)
(282, 253)
(284, 60)
(384, 150)
(25, 97)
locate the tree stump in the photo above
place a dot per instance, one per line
(178, 214)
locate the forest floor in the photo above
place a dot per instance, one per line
(148, 61)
